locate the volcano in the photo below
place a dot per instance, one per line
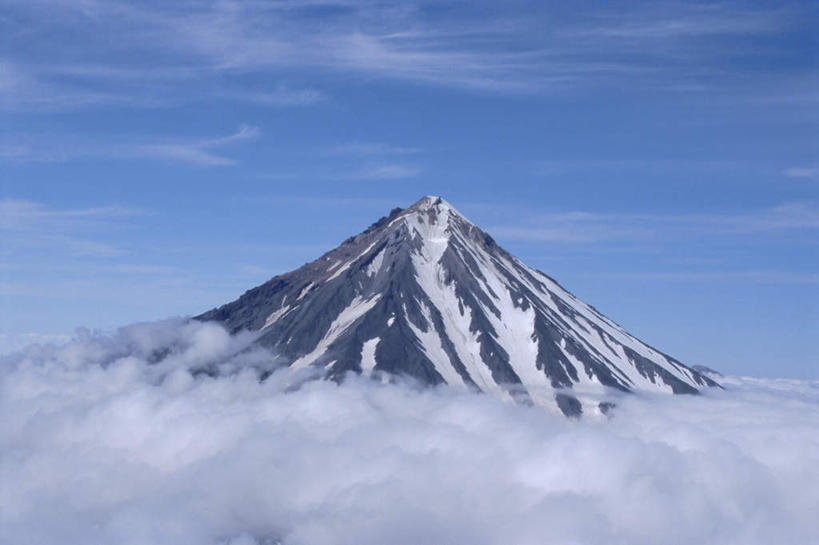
(425, 293)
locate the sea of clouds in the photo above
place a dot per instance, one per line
(162, 433)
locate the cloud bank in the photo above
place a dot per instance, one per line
(133, 437)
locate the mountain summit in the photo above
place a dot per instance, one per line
(423, 292)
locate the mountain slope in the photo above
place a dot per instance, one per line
(424, 292)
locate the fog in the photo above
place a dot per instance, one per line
(162, 433)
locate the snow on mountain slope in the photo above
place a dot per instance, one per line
(423, 292)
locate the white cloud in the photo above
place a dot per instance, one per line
(13, 342)
(101, 446)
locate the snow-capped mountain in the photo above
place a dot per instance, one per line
(423, 292)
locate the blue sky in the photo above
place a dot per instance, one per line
(661, 160)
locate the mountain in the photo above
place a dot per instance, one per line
(706, 371)
(423, 292)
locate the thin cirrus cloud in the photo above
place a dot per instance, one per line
(581, 226)
(525, 51)
(808, 173)
(379, 160)
(384, 171)
(352, 172)
(755, 277)
(282, 96)
(36, 230)
(22, 215)
(653, 24)
(372, 148)
(201, 152)
(167, 454)
(362, 161)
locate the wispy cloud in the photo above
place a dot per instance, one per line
(27, 85)
(203, 151)
(14, 151)
(30, 228)
(754, 277)
(384, 171)
(199, 152)
(580, 226)
(810, 173)
(572, 230)
(522, 50)
(282, 96)
(18, 214)
(790, 216)
(361, 161)
(662, 23)
(372, 148)
(645, 165)
(350, 171)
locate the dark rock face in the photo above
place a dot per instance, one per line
(425, 293)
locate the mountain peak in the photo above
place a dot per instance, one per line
(434, 207)
(430, 201)
(423, 292)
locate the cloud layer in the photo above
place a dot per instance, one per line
(122, 438)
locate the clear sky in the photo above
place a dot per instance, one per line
(660, 160)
